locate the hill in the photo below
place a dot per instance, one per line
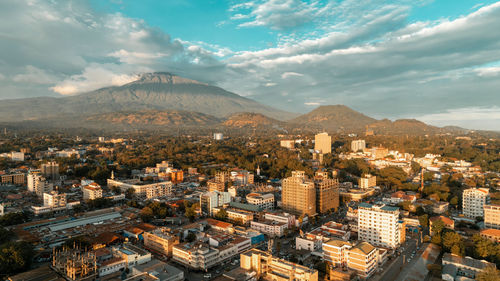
(333, 118)
(251, 120)
(152, 91)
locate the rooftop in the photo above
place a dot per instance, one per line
(363, 247)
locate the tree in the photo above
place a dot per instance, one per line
(451, 238)
(454, 201)
(424, 220)
(221, 214)
(437, 226)
(436, 239)
(15, 257)
(5, 235)
(130, 193)
(190, 213)
(146, 214)
(490, 273)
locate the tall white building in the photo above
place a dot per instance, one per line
(357, 145)
(38, 184)
(378, 225)
(492, 216)
(213, 199)
(473, 201)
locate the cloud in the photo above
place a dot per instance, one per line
(312, 103)
(286, 75)
(35, 75)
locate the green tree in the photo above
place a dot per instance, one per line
(454, 201)
(489, 273)
(450, 239)
(5, 235)
(437, 226)
(15, 257)
(221, 214)
(129, 194)
(190, 213)
(147, 214)
(424, 220)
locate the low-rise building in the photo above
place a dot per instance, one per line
(160, 241)
(270, 228)
(456, 266)
(92, 191)
(491, 234)
(264, 201)
(448, 223)
(363, 258)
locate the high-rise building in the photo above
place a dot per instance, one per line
(50, 170)
(357, 145)
(327, 192)
(473, 201)
(492, 216)
(367, 181)
(298, 194)
(92, 191)
(38, 184)
(379, 225)
(213, 199)
(323, 143)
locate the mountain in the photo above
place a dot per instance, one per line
(168, 118)
(333, 118)
(404, 127)
(251, 120)
(152, 91)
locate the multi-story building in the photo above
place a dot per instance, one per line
(323, 143)
(268, 267)
(363, 258)
(140, 188)
(17, 156)
(160, 241)
(290, 144)
(92, 191)
(264, 201)
(491, 234)
(235, 215)
(54, 199)
(213, 199)
(462, 268)
(314, 239)
(14, 178)
(50, 170)
(286, 218)
(298, 194)
(327, 192)
(473, 201)
(357, 145)
(270, 228)
(335, 252)
(367, 181)
(492, 216)
(38, 184)
(242, 177)
(379, 225)
(159, 191)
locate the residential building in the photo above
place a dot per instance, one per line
(448, 223)
(38, 184)
(379, 225)
(235, 215)
(132, 254)
(159, 191)
(218, 136)
(327, 193)
(473, 201)
(314, 240)
(270, 228)
(357, 145)
(160, 241)
(323, 143)
(298, 194)
(158, 271)
(268, 267)
(290, 144)
(335, 252)
(286, 218)
(367, 181)
(363, 258)
(492, 216)
(92, 191)
(213, 199)
(50, 170)
(140, 188)
(241, 177)
(17, 156)
(13, 178)
(264, 201)
(54, 199)
(491, 234)
(456, 267)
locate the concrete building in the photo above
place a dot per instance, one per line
(213, 199)
(159, 191)
(379, 225)
(298, 194)
(13, 178)
(268, 267)
(327, 193)
(92, 191)
(456, 267)
(362, 258)
(140, 188)
(491, 234)
(54, 199)
(264, 201)
(323, 143)
(17, 156)
(218, 136)
(290, 144)
(50, 170)
(367, 181)
(160, 241)
(236, 215)
(314, 239)
(357, 145)
(473, 201)
(158, 271)
(492, 216)
(38, 184)
(286, 218)
(270, 228)
(132, 255)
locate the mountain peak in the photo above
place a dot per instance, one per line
(164, 78)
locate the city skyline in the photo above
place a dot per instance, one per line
(436, 61)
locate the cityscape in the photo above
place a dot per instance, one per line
(273, 140)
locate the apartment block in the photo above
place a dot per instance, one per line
(38, 184)
(159, 191)
(379, 225)
(357, 145)
(270, 228)
(492, 216)
(298, 194)
(213, 199)
(323, 143)
(473, 201)
(327, 193)
(14, 178)
(92, 191)
(160, 241)
(50, 170)
(367, 181)
(264, 201)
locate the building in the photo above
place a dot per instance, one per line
(327, 193)
(491, 234)
(298, 194)
(54, 199)
(218, 136)
(158, 271)
(290, 144)
(264, 201)
(140, 188)
(456, 268)
(17, 156)
(92, 191)
(448, 223)
(213, 199)
(242, 177)
(362, 258)
(268, 267)
(379, 225)
(132, 255)
(286, 218)
(367, 181)
(492, 216)
(473, 201)
(270, 228)
(323, 143)
(160, 241)
(38, 184)
(314, 239)
(159, 191)
(13, 178)
(357, 145)
(235, 215)
(50, 170)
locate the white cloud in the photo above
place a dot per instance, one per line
(312, 103)
(286, 75)
(35, 75)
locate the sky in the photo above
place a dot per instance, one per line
(436, 61)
